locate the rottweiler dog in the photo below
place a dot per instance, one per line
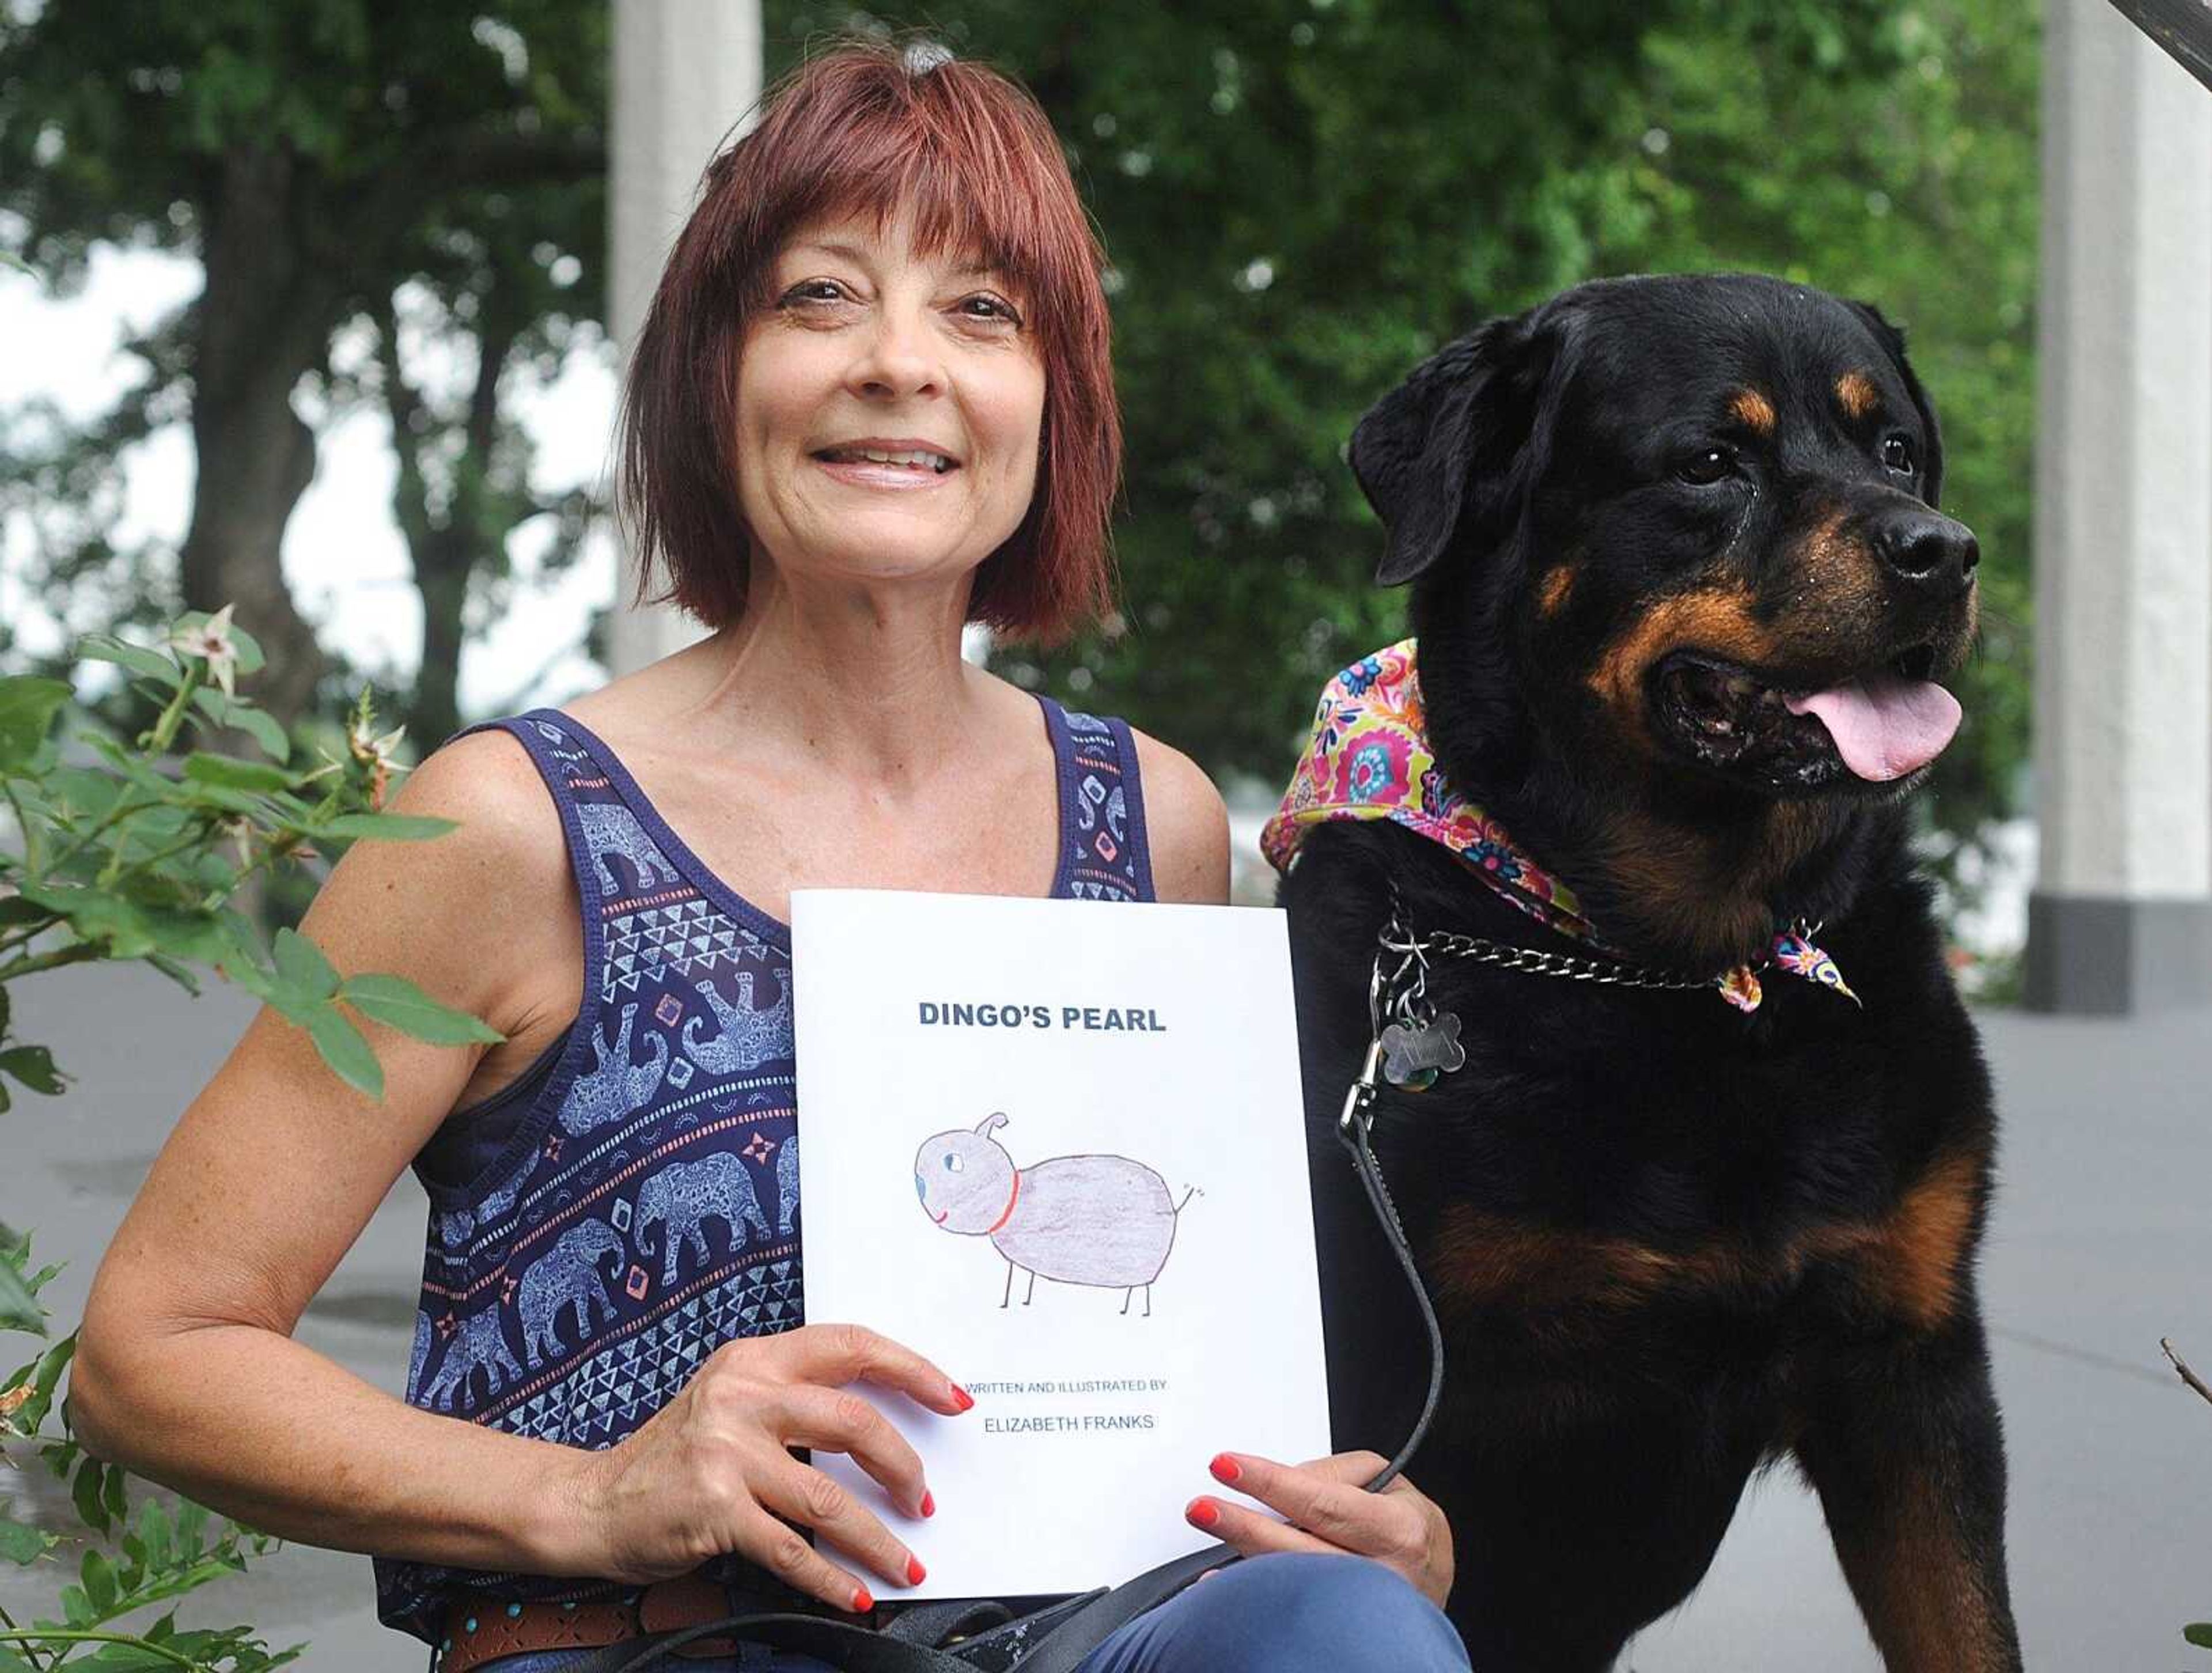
(1681, 600)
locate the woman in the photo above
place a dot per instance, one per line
(872, 404)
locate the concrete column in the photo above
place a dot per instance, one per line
(2121, 919)
(685, 71)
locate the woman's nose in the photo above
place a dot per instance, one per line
(897, 360)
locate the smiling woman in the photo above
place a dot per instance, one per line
(871, 403)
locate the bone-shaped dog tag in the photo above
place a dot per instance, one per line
(1414, 1052)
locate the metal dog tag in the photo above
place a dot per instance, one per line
(1415, 1052)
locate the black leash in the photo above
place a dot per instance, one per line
(1088, 1622)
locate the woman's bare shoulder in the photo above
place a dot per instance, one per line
(1186, 821)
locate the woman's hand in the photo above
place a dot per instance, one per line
(710, 1471)
(1330, 1510)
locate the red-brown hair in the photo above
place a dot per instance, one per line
(870, 129)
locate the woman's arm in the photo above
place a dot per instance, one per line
(186, 1371)
(1186, 824)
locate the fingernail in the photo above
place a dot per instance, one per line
(1201, 1512)
(915, 1573)
(962, 1399)
(1225, 1467)
(861, 1602)
(929, 1504)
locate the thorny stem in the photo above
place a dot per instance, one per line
(75, 953)
(165, 729)
(23, 824)
(2182, 1366)
(9, 1621)
(83, 1636)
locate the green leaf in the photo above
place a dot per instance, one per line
(34, 1067)
(232, 774)
(250, 658)
(2199, 1633)
(346, 1050)
(19, 1307)
(107, 647)
(84, 1493)
(192, 1522)
(388, 827)
(255, 723)
(27, 708)
(110, 1493)
(177, 973)
(97, 917)
(14, 910)
(300, 962)
(398, 1003)
(98, 1576)
(20, 1543)
(154, 1531)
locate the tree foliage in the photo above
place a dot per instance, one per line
(319, 158)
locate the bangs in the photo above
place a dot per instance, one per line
(966, 169)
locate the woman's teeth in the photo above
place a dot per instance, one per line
(916, 457)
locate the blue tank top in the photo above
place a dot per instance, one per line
(631, 1202)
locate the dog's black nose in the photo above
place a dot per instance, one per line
(1932, 552)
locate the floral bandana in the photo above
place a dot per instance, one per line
(1370, 759)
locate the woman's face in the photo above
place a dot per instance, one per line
(890, 406)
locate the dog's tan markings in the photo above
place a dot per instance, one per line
(1552, 592)
(1679, 889)
(1754, 410)
(1905, 1265)
(1856, 394)
(1913, 1267)
(1718, 621)
(1928, 1601)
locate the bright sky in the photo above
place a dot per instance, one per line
(343, 557)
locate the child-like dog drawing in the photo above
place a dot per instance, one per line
(1102, 1220)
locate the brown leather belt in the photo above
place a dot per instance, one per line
(479, 1629)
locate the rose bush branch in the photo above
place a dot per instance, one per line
(136, 850)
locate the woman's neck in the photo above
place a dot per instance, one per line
(886, 694)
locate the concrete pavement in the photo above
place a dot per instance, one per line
(2101, 1244)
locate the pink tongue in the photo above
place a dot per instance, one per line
(1884, 726)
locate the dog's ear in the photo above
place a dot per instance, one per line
(1893, 343)
(1437, 455)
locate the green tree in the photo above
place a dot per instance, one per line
(318, 158)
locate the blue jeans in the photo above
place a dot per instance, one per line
(1283, 1614)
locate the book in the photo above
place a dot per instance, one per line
(1058, 1147)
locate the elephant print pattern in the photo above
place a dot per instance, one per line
(634, 1201)
(684, 1196)
(568, 1275)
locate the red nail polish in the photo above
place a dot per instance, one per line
(1224, 1469)
(915, 1573)
(962, 1397)
(861, 1602)
(1201, 1513)
(929, 1504)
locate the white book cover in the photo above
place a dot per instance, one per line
(1058, 1147)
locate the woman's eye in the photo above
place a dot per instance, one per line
(991, 308)
(1707, 466)
(1897, 453)
(814, 290)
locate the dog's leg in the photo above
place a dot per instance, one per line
(1906, 1451)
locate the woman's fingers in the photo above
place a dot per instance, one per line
(835, 1353)
(783, 1551)
(1327, 1500)
(807, 1496)
(839, 1420)
(1247, 1531)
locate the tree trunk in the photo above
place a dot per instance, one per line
(262, 323)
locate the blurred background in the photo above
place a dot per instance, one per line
(316, 308)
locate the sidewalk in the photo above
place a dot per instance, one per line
(2101, 1244)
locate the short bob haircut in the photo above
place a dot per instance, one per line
(876, 129)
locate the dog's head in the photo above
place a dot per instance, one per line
(1681, 579)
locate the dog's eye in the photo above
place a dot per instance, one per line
(1897, 453)
(1707, 465)
(952, 1164)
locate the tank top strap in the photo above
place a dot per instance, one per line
(1103, 853)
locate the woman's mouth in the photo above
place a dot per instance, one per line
(865, 465)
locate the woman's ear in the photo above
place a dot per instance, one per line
(1893, 343)
(1444, 453)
